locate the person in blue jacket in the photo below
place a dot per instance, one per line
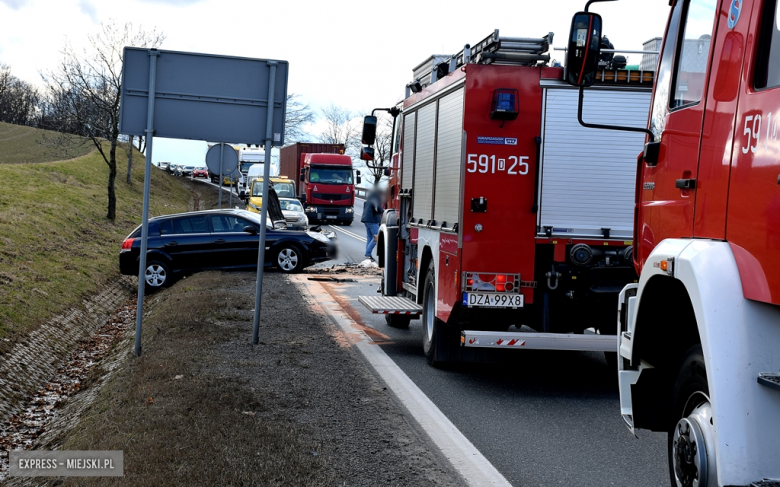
(371, 218)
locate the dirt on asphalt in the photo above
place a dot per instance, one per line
(202, 406)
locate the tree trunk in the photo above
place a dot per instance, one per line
(130, 162)
(111, 215)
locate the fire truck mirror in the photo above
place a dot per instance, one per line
(386, 171)
(358, 180)
(583, 51)
(369, 130)
(367, 154)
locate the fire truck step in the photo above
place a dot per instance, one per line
(391, 305)
(539, 341)
(770, 380)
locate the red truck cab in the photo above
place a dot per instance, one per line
(328, 188)
(699, 334)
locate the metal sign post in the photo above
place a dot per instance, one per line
(139, 313)
(221, 167)
(184, 95)
(264, 208)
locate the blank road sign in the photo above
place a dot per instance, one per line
(229, 158)
(203, 96)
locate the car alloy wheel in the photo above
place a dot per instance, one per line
(288, 259)
(156, 275)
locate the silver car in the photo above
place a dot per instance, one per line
(293, 214)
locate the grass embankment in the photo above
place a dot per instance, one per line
(20, 145)
(56, 244)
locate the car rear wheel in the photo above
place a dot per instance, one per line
(156, 275)
(289, 259)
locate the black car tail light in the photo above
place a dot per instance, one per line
(128, 244)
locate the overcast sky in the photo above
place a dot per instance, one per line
(356, 54)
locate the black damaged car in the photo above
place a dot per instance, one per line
(218, 239)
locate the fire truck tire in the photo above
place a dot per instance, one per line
(398, 321)
(434, 343)
(691, 429)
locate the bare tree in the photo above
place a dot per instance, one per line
(298, 116)
(19, 100)
(341, 128)
(130, 161)
(85, 90)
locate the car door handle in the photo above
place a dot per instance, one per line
(172, 244)
(219, 240)
(685, 184)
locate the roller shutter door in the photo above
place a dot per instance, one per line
(423, 170)
(588, 175)
(407, 169)
(449, 144)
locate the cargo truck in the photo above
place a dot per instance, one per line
(327, 186)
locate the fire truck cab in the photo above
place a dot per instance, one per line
(699, 334)
(503, 211)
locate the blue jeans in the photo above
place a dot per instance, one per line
(371, 230)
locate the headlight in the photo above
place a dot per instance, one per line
(303, 219)
(280, 225)
(318, 236)
(311, 209)
(349, 210)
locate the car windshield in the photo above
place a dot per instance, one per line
(330, 175)
(282, 189)
(290, 205)
(190, 167)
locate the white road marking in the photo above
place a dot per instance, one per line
(462, 454)
(345, 232)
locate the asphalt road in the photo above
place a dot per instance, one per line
(541, 418)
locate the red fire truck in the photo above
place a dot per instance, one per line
(503, 210)
(700, 332)
(326, 188)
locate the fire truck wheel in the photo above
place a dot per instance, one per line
(398, 321)
(433, 328)
(692, 432)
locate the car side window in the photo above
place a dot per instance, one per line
(190, 224)
(166, 228)
(768, 59)
(226, 223)
(693, 53)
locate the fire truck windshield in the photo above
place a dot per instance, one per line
(330, 175)
(246, 165)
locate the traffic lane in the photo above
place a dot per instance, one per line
(350, 244)
(540, 417)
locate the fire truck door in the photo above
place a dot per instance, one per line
(669, 188)
(753, 222)
(712, 184)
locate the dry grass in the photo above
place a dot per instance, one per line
(203, 428)
(21, 144)
(55, 243)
